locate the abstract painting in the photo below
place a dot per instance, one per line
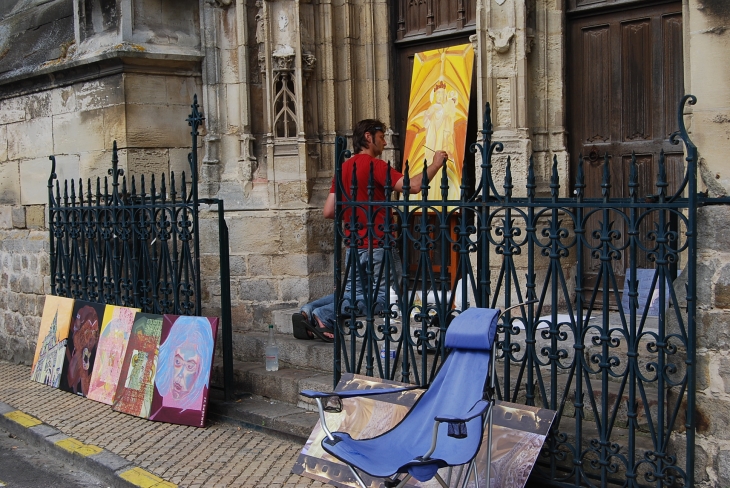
(134, 391)
(51, 347)
(183, 369)
(438, 113)
(83, 336)
(517, 437)
(116, 327)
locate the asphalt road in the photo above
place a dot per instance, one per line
(25, 466)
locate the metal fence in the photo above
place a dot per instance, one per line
(584, 344)
(136, 242)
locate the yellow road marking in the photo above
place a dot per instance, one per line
(145, 479)
(74, 445)
(23, 418)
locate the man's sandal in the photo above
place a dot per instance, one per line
(299, 325)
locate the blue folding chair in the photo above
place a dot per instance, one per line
(444, 428)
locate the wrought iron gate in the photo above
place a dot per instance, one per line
(136, 243)
(621, 380)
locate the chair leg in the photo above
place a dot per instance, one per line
(441, 480)
(357, 477)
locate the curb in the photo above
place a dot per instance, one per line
(109, 467)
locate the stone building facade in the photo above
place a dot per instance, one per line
(279, 80)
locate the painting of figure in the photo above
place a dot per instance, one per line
(83, 337)
(116, 327)
(52, 336)
(183, 369)
(136, 379)
(438, 113)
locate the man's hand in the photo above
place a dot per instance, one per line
(439, 158)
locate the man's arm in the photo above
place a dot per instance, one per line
(329, 207)
(439, 159)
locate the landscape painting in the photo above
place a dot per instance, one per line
(184, 364)
(136, 380)
(51, 347)
(83, 337)
(116, 327)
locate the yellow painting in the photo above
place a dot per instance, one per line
(438, 112)
(51, 347)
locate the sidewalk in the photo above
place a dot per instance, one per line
(129, 451)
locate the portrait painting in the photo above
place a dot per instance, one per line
(116, 326)
(136, 379)
(184, 364)
(518, 436)
(438, 113)
(50, 350)
(83, 337)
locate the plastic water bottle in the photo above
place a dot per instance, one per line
(272, 352)
(391, 353)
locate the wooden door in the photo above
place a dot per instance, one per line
(625, 82)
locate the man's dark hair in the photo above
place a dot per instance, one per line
(359, 142)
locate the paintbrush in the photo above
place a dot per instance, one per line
(447, 158)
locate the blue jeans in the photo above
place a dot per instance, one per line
(324, 308)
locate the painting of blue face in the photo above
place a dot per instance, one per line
(183, 369)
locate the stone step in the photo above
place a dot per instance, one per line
(284, 385)
(293, 353)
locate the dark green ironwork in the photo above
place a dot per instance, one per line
(621, 382)
(137, 245)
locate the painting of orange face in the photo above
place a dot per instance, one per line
(81, 349)
(438, 113)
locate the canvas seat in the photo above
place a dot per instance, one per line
(444, 427)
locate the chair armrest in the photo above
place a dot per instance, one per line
(478, 409)
(354, 393)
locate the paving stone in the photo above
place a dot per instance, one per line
(222, 454)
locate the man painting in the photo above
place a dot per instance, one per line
(318, 318)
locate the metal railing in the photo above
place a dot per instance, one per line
(622, 382)
(136, 242)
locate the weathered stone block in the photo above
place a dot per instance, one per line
(238, 265)
(713, 416)
(290, 264)
(63, 100)
(9, 183)
(723, 467)
(115, 126)
(6, 217)
(35, 216)
(99, 93)
(178, 162)
(258, 232)
(259, 265)
(180, 90)
(258, 290)
(12, 110)
(77, 131)
(18, 216)
(145, 89)
(713, 227)
(38, 105)
(95, 164)
(3, 143)
(30, 139)
(157, 126)
(34, 177)
(294, 289)
(712, 329)
(149, 162)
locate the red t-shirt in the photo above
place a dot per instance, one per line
(380, 170)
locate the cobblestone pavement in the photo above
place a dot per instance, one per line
(219, 455)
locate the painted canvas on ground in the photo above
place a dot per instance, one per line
(438, 113)
(518, 435)
(83, 337)
(116, 327)
(136, 380)
(51, 347)
(184, 364)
